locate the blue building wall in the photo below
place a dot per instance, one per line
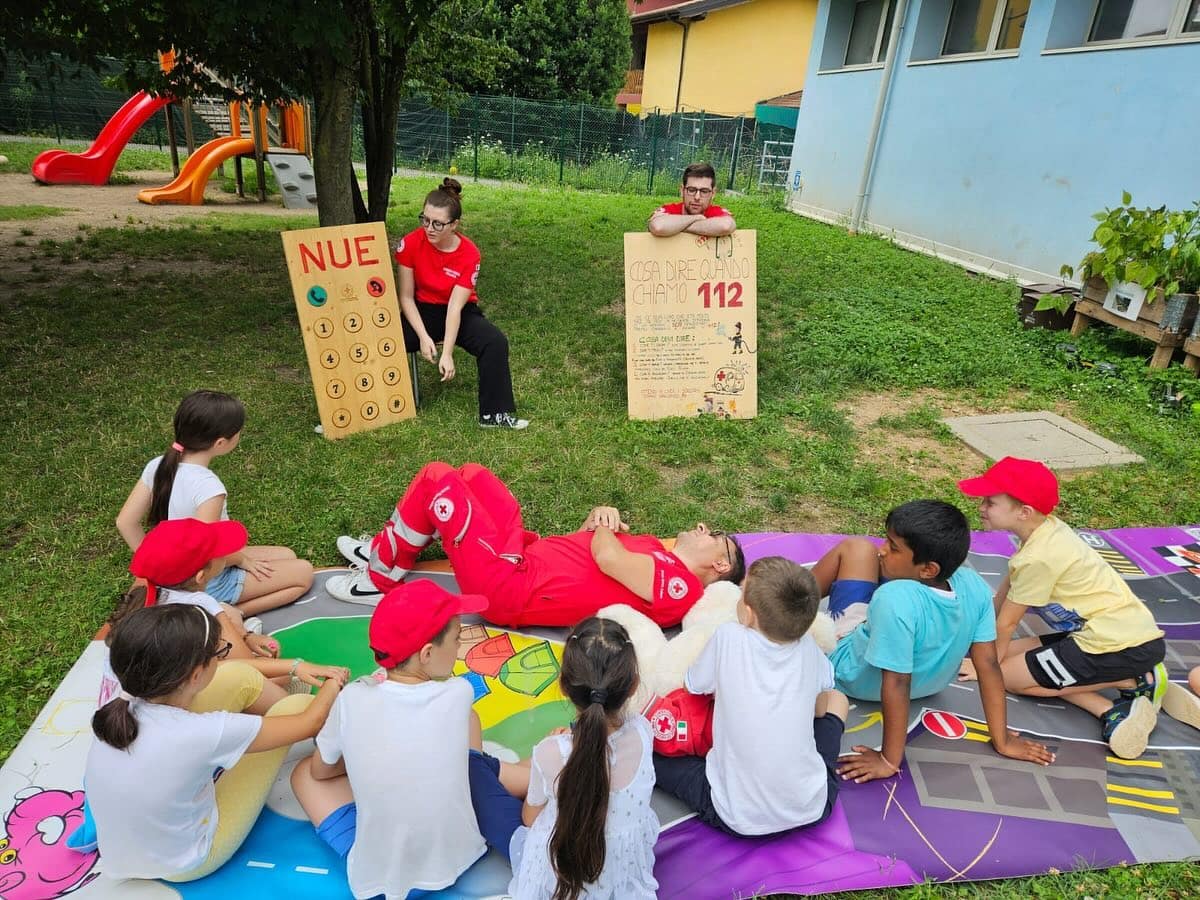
(1000, 162)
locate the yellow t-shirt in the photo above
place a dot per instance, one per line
(1055, 566)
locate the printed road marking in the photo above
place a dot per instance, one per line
(309, 870)
(1120, 801)
(255, 864)
(969, 736)
(1142, 763)
(978, 726)
(1141, 792)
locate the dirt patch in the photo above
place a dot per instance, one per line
(113, 205)
(919, 449)
(810, 514)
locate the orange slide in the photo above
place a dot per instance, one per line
(188, 187)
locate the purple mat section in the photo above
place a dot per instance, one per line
(887, 834)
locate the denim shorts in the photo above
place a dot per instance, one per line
(227, 586)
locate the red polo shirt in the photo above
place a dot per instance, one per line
(676, 209)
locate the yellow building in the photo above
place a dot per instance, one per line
(720, 56)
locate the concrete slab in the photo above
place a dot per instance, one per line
(1058, 442)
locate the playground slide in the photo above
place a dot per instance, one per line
(94, 165)
(188, 188)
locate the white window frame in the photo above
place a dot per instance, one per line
(1175, 32)
(889, 9)
(993, 36)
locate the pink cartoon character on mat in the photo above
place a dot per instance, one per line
(35, 861)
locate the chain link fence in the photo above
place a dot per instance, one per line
(533, 141)
(504, 138)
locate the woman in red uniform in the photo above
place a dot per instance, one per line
(438, 270)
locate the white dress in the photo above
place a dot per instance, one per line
(630, 830)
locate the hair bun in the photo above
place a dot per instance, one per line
(452, 185)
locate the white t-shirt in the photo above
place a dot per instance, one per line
(630, 829)
(406, 750)
(155, 803)
(764, 769)
(193, 485)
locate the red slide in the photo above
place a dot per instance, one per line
(94, 165)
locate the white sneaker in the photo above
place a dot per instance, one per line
(356, 587)
(253, 624)
(503, 420)
(355, 549)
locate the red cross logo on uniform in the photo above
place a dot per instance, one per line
(662, 723)
(676, 588)
(443, 509)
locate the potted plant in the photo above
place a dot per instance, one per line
(1150, 251)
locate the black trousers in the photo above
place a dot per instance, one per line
(482, 340)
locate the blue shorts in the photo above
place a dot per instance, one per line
(497, 811)
(847, 591)
(227, 586)
(338, 829)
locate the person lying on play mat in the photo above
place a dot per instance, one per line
(532, 580)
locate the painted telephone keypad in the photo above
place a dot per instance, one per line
(345, 293)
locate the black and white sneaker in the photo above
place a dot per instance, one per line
(356, 587)
(503, 420)
(356, 549)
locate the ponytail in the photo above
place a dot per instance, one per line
(599, 673)
(115, 724)
(202, 418)
(153, 651)
(134, 598)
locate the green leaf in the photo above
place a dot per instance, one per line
(1126, 197)
(1058, 302)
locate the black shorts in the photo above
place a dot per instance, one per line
(1059, 663)
(685, 777)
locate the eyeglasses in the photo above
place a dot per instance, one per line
(717, 532)
(223, 651)
(698, 192)
(437, 226)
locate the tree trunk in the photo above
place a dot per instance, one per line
(384, 63)
(335, 86)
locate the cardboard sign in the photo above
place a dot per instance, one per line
(691, 334)
(345, 294)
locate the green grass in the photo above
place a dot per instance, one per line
(21, 155)
(96, 354)
(28, 211)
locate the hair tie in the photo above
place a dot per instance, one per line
(176, 446)
(598, 695)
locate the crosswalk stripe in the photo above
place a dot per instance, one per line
(1141, 792)
(1143, 763)
(1153, 807)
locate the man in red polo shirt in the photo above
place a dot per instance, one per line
(696, 214)
(532, 580)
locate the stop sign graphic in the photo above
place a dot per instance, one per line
(944, 725)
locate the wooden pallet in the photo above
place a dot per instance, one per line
(1148, 325)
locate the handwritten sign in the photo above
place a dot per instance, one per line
(691, 335)
(346, 299)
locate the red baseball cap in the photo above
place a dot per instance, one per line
(1026, 480)
(409, 616)
(177, 549)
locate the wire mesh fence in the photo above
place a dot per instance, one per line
(504, 138)
(512, 139)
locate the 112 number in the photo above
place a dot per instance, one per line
(727, 294)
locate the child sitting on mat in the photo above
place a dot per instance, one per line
(1182, 705)
(586, 828)
(771, 679)
(1111, 639)
(906, 613)
(175, 729)
(387, 786)
(179, 559)
(179, 485)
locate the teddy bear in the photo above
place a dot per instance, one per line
(662, 662)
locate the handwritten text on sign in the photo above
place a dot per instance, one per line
(691, 334)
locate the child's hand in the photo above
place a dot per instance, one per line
(329, 688)
(966, 671)
(261, 645)
(866, 766)
(312, 674)
(1017, 747)
(259, 569)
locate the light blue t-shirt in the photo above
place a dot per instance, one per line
(911, 628)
